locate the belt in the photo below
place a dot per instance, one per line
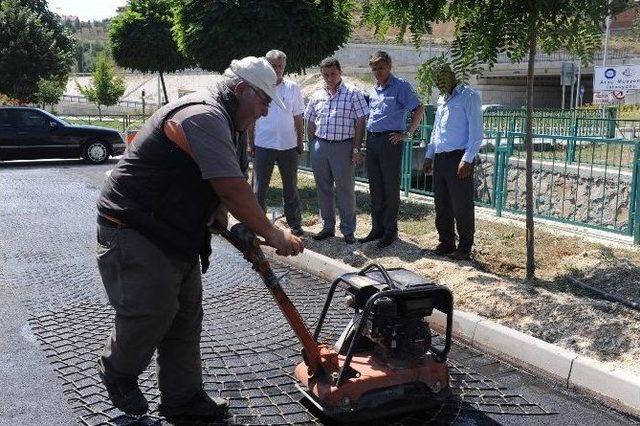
(386, 132)
(334, 141)
(110, 222)
(450, 154)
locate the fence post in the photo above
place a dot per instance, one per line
(407, 161)
(494, 179)
(501, 165)
(634, 199)
(612, 117)
(571, 143)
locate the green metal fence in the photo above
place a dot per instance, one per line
(595, 190)
(586, 169)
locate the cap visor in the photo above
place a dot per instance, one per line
(276, 99)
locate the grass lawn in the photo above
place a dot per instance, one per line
(500, 248)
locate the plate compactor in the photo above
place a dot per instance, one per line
(383, 363)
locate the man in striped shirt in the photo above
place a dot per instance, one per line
(336, 118)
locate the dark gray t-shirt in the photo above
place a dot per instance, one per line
(209, 137)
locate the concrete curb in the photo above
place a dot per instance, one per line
(618, 388)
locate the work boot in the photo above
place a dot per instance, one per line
(323, 235)
(460, 254)
(199, 408)
(372, 236)
(349, 239)
(442, 250)
(125, 394)
(386, 241)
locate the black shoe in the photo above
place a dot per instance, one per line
(442, 250)
(372, 236)
(323, 235)
(386, 241)
(125, 395)
(460, 254)
(298, 232)
(199, 408)
(349, 239)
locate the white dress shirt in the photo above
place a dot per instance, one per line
(277, 130)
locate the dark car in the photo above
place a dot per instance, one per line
(30, 133)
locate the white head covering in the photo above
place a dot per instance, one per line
(259, 73)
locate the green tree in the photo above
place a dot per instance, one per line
(50, 91)
(518, 28)
(212, 33)
(34, 45)
(106, 88)
(141, 39)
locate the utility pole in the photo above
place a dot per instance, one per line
(607, 24)
(578, 86)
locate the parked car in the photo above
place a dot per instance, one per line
(29, 133)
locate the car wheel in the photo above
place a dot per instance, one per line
(96, 152)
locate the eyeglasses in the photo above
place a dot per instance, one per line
(266, 100)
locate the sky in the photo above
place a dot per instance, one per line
(86, 10)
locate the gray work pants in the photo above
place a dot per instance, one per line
(453, 199)
(383, 162)
(332, 165)
(158, 305)
(287, 160)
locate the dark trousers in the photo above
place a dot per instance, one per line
(383, 161)
(453, 199)
(158, 306)
(263, 162)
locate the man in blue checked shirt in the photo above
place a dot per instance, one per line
(336, 117)
(389, 100)
(455, 142)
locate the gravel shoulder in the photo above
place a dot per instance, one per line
(492, 284)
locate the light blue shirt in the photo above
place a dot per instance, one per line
(389, 103)
(458, 124)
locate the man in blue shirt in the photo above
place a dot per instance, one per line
(455, 142)
(389, 100)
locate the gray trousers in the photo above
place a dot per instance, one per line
(332, 165)
(158, 305)
(453, 199)
(287, 160)
(384, 160)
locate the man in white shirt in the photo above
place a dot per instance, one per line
(277, 138)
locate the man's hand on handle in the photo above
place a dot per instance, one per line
(285, 243)
(237, 196)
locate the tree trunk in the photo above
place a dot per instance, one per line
(164, 90)
(531, 265)
(99, 113)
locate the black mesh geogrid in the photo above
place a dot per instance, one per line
(248, 352)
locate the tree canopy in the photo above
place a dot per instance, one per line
(34, 45)
(213, 32)
(141, 38)
(485, 29)
(50, 91)
(106, 88)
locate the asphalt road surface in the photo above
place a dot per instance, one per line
(55, 319)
